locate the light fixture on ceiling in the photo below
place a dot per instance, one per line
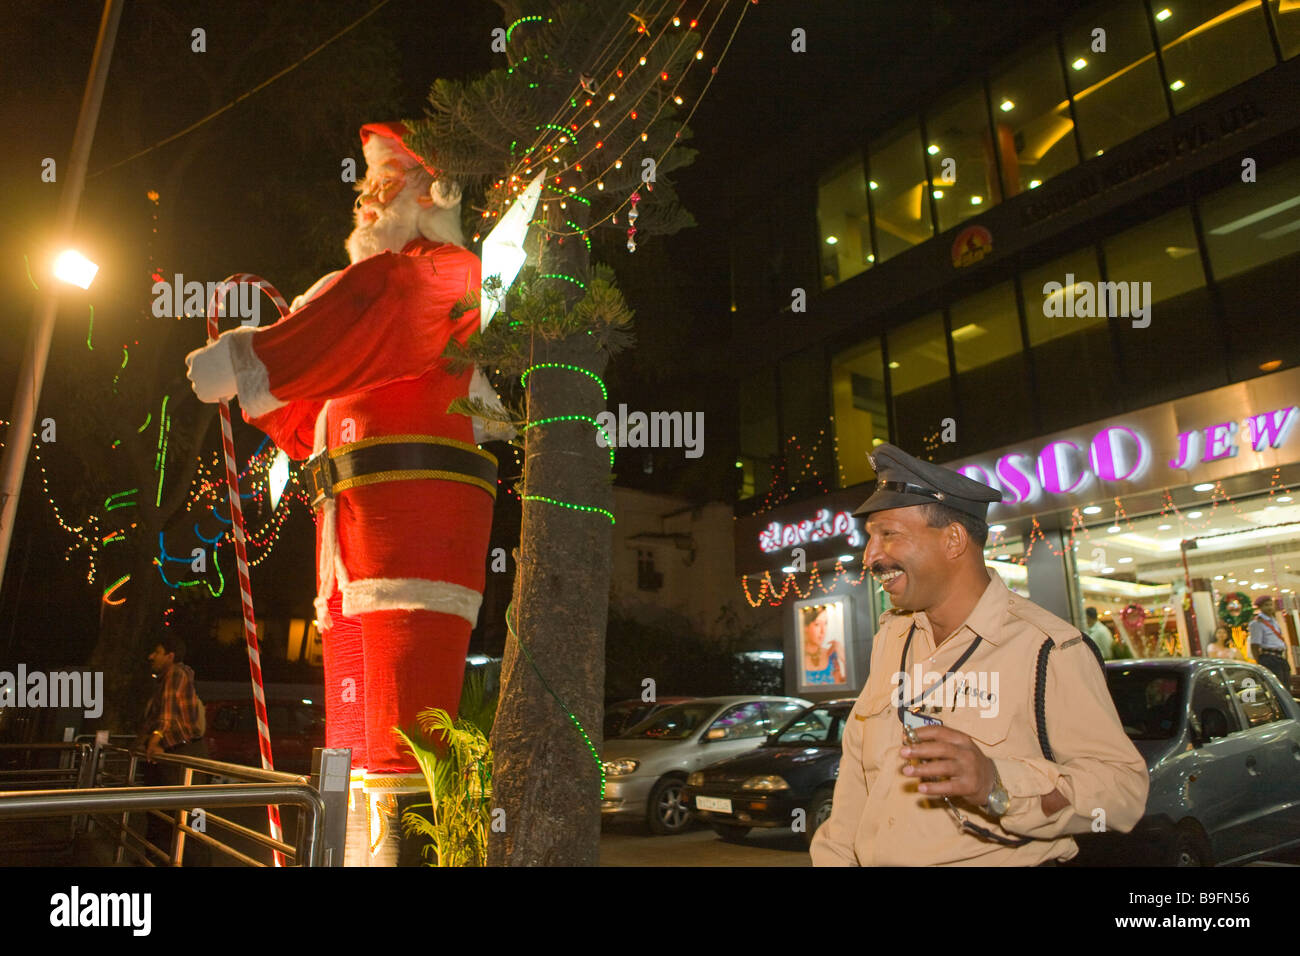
(831, 240)
(1092, 510)
(1079, 64)
(1107, 570)
(1164, 14)
(1007, 106)
(1125, 560)
(1259, 571)
(1114, 529)
(1218, 577)
(997, 528)
(1177, 85)
(846, 558)
(1285, 499)
(937, 194)
(1035, 183)
(1164, 527)
(932, 149)
(1194, 514)
(1249, 220)
(1270, 366)
(893, 365)
(976, 200)
(1204, 486)
(873, 184)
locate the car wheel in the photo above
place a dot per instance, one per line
(730, 832)
(1189, 849)
(667, 813)
(819, 811)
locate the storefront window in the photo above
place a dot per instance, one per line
(898, 191)
(1113, 76)
(919, 380)
(1210, 46)
(843, 224)
(1032, 113)
(992, 385)
(960, 148)
(1006, 557)
(1286, 18)
(861, 413)
(1072, 355)
(1133, 571)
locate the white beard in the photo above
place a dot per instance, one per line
(398, 224)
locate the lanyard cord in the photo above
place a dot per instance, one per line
(979, 831)
(902, 669)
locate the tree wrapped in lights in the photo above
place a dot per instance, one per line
(589, 95)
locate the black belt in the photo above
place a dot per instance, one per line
(400, 458)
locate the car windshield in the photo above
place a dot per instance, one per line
(1149, 702)
(674, 723)
(820, 726)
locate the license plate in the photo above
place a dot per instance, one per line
(716, 804)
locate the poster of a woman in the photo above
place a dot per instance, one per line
(823, 659)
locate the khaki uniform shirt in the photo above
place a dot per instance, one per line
(879, 818)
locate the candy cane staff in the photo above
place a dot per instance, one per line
(353, 378)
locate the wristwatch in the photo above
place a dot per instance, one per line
(999, 800)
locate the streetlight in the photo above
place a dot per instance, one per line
(75, 269)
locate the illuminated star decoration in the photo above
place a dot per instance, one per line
(503, 248)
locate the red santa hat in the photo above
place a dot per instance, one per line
(382, 141)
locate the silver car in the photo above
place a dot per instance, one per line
(646, 768)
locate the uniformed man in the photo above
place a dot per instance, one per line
(957, 660)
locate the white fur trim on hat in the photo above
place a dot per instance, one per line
(250, 375)
(410, 594)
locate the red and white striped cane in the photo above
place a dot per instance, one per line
(241, 550)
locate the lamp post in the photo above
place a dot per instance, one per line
(28, 389)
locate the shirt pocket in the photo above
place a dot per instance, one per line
(877, 715)
(989, 728)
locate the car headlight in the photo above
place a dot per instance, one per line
(621, 768)
(696, 779)
(765, 782)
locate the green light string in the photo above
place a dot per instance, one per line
(125, 358)
(561, 129)
(604, 392)
(116, 442)
(577, 418)
(574, 196)
(115, 585)
(109, 506)
(148, 417)
(533, 19)
(114, 538)
(600, 765)
(220, 577)
(560, 275)
(164, 426)
(565, 504)
(585, 238)
(91, 331)
(29, 274)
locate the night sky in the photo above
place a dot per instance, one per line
(258, 189)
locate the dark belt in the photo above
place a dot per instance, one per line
(400, 458)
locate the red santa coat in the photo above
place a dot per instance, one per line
(363, 360)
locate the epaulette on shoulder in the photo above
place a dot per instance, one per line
(1061, 632)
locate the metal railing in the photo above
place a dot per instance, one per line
(320, 799)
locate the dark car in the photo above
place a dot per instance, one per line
(297, 727)
(793, 770)
(1222, 743)
(625, 714)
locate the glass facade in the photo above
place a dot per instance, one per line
(993, 390)
(1113, 76)
(844, 228)
(899, 191)
(861, 408)
(1035, 130)
(919, 379)
(1286, 21)
(1210, 46)
(960, 152)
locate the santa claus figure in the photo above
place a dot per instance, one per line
(353, 379)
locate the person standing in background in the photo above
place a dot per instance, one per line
(1099, 633)
(1266, 643)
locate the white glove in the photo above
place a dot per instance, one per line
(212, 372)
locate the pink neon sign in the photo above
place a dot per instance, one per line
(822, 527)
